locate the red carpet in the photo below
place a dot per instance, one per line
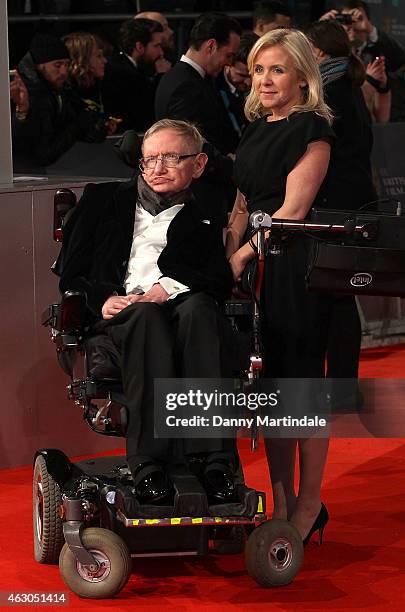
(360, 565)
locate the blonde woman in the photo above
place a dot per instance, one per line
(280, 166)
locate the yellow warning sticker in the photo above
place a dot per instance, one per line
(152, 521)
(135, 522)
(196, 520)
(260, 504)
(175, 521)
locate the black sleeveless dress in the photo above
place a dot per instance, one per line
(295, 322)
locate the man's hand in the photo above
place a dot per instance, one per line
(360, 21)
(114, 304)
(156, 294)
(112, 124)
(162, 65)
(19, 95)
(329, 15)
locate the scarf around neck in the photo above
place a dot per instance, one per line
(333, 69)
(155, 203)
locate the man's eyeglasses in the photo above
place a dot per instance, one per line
(170, 160)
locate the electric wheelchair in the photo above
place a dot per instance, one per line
(86, 514)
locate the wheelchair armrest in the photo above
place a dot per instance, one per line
(67, 320)
(72, 312)
(63, 204)
(49, 316)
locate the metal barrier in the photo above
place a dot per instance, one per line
(114, 17)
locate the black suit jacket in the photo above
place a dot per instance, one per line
(183, 94)
(387, 46)
(97, 242)
(351, 150)
(234, 102)
(128, 94)
(52, 126)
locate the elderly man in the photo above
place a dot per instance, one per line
(150, 258)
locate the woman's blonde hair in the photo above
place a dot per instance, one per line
(80, 46)
(296, 44)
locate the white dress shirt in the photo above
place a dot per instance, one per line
(131, 59)
(149, 240)
(194, 64)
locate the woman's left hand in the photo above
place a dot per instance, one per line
(376, 69)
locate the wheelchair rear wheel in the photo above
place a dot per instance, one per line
(47, 524)
(274, 553)
(114, 565)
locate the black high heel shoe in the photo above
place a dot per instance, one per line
(319, 525)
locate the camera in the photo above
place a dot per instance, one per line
(344, 18)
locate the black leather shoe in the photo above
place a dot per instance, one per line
(218, 480)
(152, 483)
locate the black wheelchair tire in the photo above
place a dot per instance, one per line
(274, 553)
(47, 524)
(107, 546)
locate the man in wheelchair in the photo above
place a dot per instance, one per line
(149, 256)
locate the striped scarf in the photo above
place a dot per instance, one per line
(332, 69)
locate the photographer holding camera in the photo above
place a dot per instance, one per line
(380, 53)
(370, 42)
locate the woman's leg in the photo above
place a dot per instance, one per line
(312, 458)
(295, 335)
(281, 454)
(302, 509)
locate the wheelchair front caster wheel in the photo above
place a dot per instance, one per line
(47, 524)
(114, 561)
(274, 553)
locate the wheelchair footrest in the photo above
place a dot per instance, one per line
(190, 506)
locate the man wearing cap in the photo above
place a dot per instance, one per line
(49, 125)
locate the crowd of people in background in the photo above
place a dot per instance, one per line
(286, 121)
(82, 88)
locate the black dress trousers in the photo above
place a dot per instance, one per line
(183, 337)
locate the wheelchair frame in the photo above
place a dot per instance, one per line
(86, 504)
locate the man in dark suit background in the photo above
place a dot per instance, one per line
(150, 258)
(127, 89)
(168, 43)
(234, 83)
(187, 91)
(270, 15)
